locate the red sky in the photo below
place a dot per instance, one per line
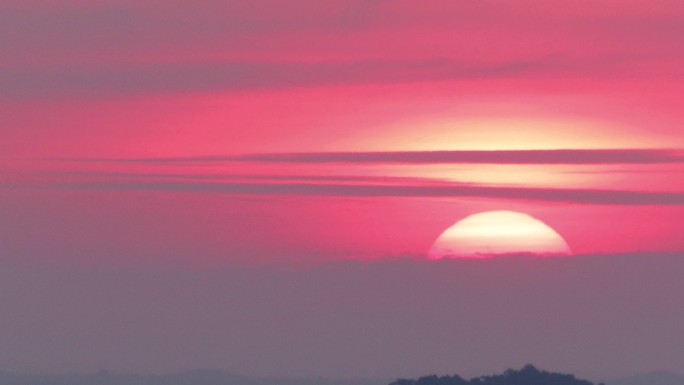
(212, 134)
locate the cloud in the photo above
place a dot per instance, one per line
(598, 156)
(73, 49)
(349, 316)
(75, 81)
(373, 186)
(582, 196)
(374, 179)
(491, 157)
(239, 76)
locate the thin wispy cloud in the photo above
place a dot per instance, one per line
(371, 179)
(77, 82)
(583, 196)
(565, 156)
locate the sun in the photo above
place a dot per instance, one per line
(498, 233)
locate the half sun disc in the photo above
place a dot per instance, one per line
(499, 233)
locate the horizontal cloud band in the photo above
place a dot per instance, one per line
(568, 156)
(583, 196)
(84, 81)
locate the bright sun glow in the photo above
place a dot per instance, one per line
(516, 133)
(498, 233)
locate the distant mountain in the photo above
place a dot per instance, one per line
(528, 375)
(655, 378)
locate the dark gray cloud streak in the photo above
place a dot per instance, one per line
(567, 156)
(161, 78)
(582, 196)
(96, 81)
(364, 186)
(241, 177)
(492, 157)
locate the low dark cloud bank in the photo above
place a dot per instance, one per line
(599, 316)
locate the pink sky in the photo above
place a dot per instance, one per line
(302, 135)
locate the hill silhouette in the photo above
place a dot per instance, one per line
(528, 375)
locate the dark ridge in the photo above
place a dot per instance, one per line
(528, 375)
